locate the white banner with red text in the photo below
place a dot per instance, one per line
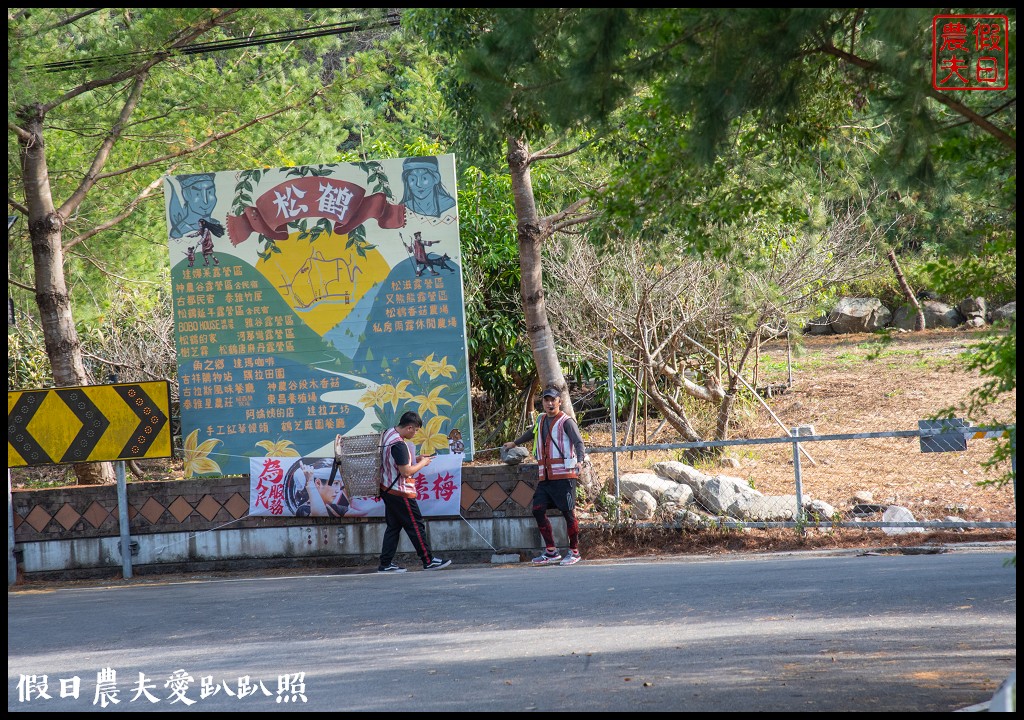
(302, 487)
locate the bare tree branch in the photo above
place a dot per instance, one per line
(564, 217)
(544, 155)
(108, 273)
(212, 139)
(144, 67)
(23, 135)
(23, 286)
(103, 152)
(1007, 140)
(69, 20)
(570, 222)
(17, 206)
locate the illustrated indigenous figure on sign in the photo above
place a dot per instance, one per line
(419, 253)
(455, 443)
(198, 199)
(424, 192)
(208, 227)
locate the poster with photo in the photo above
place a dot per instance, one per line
(304, 487)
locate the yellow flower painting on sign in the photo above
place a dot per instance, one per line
(434, 368)
(429, 439)
(196, 460)
(278, 448)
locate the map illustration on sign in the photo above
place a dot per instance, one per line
(315, 301)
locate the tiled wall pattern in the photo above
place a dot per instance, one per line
(488, 491)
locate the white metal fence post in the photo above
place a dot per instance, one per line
(611, 409)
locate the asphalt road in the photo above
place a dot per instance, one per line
(791, 632)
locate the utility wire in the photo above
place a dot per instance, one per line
(391, 20)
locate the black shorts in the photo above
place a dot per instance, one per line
(559, 494)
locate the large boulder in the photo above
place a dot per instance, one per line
(1007, 312)
(859, 315)
(897, 514)
(819, 510)
(819, 326)
(643, 505)
(694, 520)
(973, 307)
(513, 455)
(680, 472)
(780, 508)
(767, 508)
(936, 314)
(662, 489)
(725, 495)
(939, 314)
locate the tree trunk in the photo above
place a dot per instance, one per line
(725, 409)
(530, 237)
(45, 226)
(671, 410)
(919, 323)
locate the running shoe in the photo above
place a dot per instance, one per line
(547, 558)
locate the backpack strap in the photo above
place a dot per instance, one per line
(383, 449)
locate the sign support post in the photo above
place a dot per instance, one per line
(122, 520)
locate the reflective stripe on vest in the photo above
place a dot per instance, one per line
(558, 445)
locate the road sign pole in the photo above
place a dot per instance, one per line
(12, 559)
(122, 518)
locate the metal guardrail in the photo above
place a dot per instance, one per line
(950, 435)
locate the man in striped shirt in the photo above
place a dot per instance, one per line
(399, 467)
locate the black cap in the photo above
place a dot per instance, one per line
(551, 392)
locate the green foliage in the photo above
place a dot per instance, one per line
(624, 389)
(28, 367)
(989, 269)
(990, 273)
(606, 505)
(690, 167)
(115, 343)
(183, 104)
(500, 357)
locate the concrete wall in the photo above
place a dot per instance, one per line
(203, 525)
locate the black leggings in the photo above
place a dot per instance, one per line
(556, 494)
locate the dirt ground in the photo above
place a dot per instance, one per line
(848, 384)
(840, 385)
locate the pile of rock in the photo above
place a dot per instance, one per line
(697, 500)
(860, 315)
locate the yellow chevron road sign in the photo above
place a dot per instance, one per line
(94, 423)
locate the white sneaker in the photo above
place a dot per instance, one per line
(571, 559)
